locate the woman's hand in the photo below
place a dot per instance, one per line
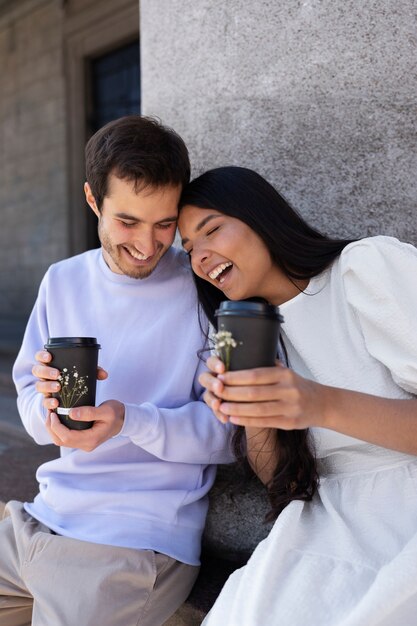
(276, 397)
(214, 386)
(48, 378)
(269, 397)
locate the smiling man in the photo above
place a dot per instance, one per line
(117, 523)
(136, 238)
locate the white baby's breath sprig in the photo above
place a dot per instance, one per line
(224, 342)
(72, 391)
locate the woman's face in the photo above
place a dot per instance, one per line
(230, 255)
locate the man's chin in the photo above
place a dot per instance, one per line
(140, 271)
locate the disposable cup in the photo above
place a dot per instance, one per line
(76, 358)
(247, 334)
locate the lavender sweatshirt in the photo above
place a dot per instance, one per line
(147, 487)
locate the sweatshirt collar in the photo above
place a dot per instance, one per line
(122, 279)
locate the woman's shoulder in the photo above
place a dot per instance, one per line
(374, 253)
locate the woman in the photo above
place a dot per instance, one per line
(342, 551)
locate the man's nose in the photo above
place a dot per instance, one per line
(145, 243)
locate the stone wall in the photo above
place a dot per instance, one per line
(32, 149)
(45, 47)
(317, 95)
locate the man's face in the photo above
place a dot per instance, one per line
(135, 229)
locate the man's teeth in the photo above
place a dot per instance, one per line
(138, 255)
(218, 270)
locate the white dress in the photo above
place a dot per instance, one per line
(349, 557)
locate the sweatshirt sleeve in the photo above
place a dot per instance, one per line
(185, 434)
(29, 401)
(380, 282)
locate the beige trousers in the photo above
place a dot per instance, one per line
(50, 580)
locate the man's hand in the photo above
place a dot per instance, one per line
(108, 421)
(48, 378)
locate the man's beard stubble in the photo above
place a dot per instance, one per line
(115, 255)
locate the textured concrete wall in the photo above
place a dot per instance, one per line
(33, 190)
(320, 96)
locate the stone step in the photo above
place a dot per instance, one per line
(6, 380)
(11, 335)
(8, 411)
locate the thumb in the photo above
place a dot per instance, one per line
(82, 413)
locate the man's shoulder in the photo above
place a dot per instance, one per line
(179, 259)
(175, 264)
(79, 262)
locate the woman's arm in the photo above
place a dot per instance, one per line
(279, 398)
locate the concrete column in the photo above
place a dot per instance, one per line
(320, 96)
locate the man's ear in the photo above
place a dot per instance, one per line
(90, 199)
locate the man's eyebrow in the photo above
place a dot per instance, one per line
(132, 218)
(201, 225)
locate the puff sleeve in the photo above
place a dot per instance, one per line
(380, 280)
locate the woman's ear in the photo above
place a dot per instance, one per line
(90, 199)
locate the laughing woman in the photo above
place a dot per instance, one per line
(332, 429)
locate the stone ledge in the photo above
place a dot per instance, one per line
(235, 525)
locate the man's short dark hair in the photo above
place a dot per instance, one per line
(138, 149)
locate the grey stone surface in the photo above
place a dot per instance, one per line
(33, 180)
(235, 522)
(320, 96)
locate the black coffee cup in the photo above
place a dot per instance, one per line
(254, 329)
(76, 358)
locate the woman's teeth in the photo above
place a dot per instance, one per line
(218, 270)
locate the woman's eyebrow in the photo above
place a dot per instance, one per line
(201, 225)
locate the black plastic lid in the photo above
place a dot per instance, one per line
(246, 308)
(71, 342)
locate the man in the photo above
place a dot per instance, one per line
(113, 537)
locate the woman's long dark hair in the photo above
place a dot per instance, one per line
(301, 252)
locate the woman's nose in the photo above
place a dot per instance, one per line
(200, 254)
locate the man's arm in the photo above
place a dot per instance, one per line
(187, 434)
(29, 401)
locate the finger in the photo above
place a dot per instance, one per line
(50, 403)
(47, 387)
(258, 376)
(253, 393)
(254, 409)
(49, 423)
(85, 413)
(43, 356)
(213, 403)
(215, 364)
(101, 373)
(276, 421)
(210, 382)
(45, 372)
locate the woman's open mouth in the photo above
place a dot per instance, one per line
(220, 272)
